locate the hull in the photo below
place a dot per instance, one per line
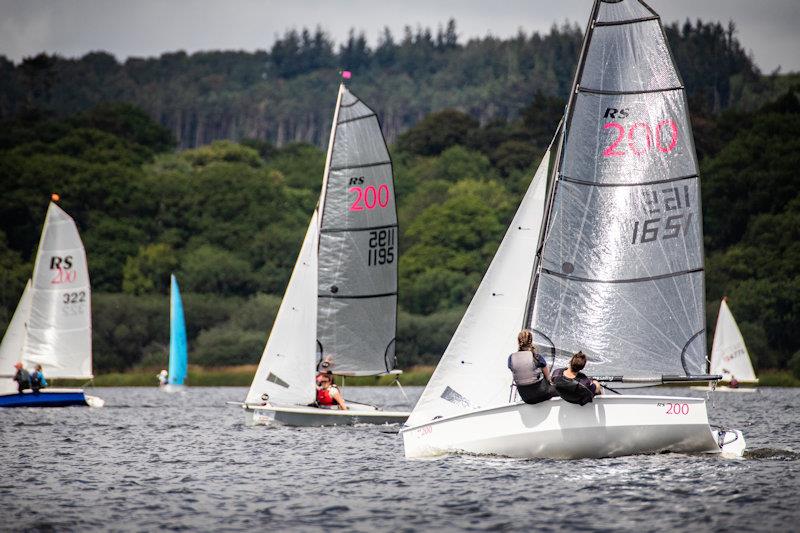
(609, 427)
(171, 388)
(315, 416)
(45, 398)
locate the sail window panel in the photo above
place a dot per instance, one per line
(358, 333)
(622, 11)
(358, 109)
(626, 328)
(358, 263)
(629, 57)
(360, 198)
(622, 233)
(358, 143)
(633, 138)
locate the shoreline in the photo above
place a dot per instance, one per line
(242, 376)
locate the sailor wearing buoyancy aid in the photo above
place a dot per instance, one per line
(327, 393)
(531, 375)
(573, 385)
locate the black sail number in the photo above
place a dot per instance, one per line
(77, 297)
(382, 244)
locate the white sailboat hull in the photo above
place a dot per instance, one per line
(315, 416)
(173, 388)
(609, 427)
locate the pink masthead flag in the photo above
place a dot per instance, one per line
(346, 74)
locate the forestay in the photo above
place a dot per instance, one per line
(286, 370)
(357, 292)
(620, 272)
(178, 357)
(59, 326)
(729, 355)
(472, 372)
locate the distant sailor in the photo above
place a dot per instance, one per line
(162, 378)
(328, 394)
(22, 377)
(573, 385)
(37, 379)
(734, 384)
(531, 375)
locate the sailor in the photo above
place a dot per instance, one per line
(37, 379)
(328, 394)
(531, 375)
(573, 385)
(734, 384)
(22, 377)
(162, 378)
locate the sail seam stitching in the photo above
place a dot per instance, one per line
(365, 165)
(355, 119)
(340, 230)
(357, 296)
(638, 184)
(350, 105)
(631, 280)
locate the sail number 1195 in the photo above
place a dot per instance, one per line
(381, 246)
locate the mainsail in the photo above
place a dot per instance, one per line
(729, 355)
(472, 372)
(358, 252)
(178, 357)
(619, 274)
(59, 326)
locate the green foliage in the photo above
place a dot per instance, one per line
(437, 132)
(223, 151)
(228, 345)
(794, 364)
(149, 270)
(211, 269)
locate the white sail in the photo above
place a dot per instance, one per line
(729, 355)
(59, 327)
(472, 372)
(13, 345)
(287, 367)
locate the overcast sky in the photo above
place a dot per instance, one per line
(768, 28)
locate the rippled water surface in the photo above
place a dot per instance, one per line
(151, 460)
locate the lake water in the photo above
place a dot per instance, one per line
(150, 460)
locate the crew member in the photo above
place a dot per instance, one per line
(328, 394)
(531, 375)
(573, 385)
(22, 377)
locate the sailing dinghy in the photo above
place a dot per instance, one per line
(341, 302)
(178, 357)
(52, 325)
(729, 356)
(604, 255)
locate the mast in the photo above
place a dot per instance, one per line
(556, 157)
(331, 140)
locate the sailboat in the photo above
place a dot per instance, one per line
(52, 325)
(604, 255)
(729, 356)
(340, 307)
(178, 358)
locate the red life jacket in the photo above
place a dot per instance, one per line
(324, 397)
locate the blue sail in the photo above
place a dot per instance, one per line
(178, 359)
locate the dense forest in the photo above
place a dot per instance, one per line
(284, 95)
(228, 217)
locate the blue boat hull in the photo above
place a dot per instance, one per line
(44, 398)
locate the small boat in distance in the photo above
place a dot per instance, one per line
(178, 354)
(729, 356)
(608, 243)
(340, 307)
(52, 325)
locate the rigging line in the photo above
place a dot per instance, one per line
(605, 92)
(636, 184)
(365, 165)
(624, 22)
(355, 119)
(363, 228)
(629, 280)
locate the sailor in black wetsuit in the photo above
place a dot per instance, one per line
(22, 377)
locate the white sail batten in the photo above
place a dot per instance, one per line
(620, 275)
(286, 370)
(472, 373)
(729, 356)
(59, 326)
(12, 347)
(358, 253)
